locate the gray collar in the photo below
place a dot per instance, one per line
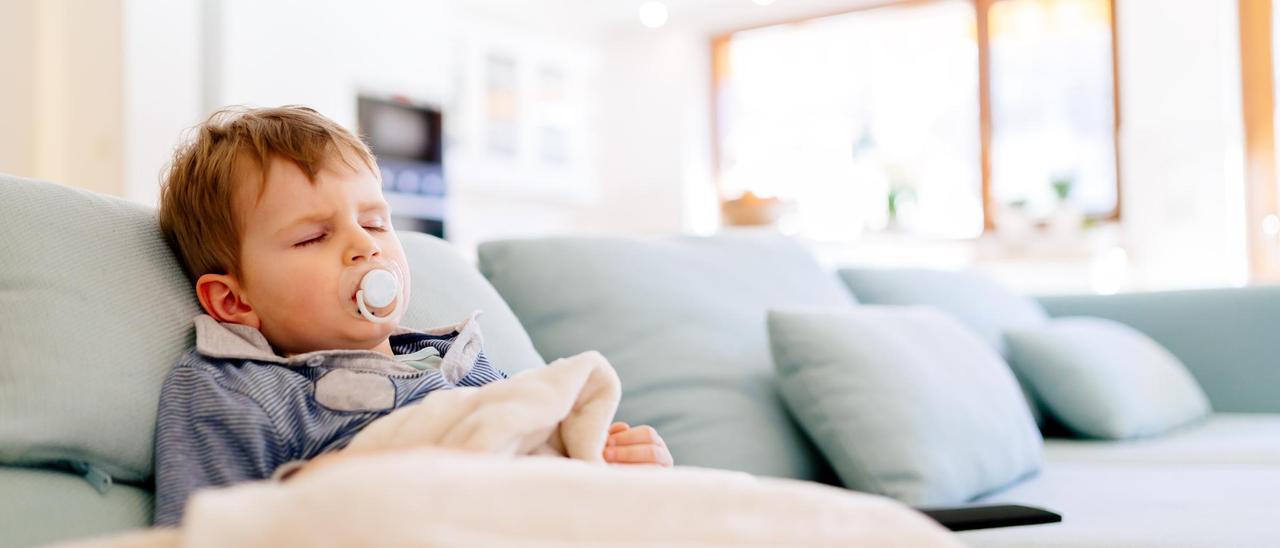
(234, 341)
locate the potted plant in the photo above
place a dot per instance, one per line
(1067, 220)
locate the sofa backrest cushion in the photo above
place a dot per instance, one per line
(683, 322)
(94, 309)
(447, 287)
(979, 302)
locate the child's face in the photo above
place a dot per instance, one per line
(304, 249)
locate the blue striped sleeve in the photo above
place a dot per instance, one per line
(208, 435)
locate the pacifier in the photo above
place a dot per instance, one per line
(378, 288)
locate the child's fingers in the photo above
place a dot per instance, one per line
(638, 454)
(618, 427)
(638, 435)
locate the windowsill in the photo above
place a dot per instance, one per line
(1092, 261)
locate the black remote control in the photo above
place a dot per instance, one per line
(965, 518)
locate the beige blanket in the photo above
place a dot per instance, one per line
(483, 467)
(563, 409)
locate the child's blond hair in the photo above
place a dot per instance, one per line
(233, 145)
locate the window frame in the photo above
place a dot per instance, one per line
(1257, 86)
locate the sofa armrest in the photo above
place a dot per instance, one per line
(1228, 338)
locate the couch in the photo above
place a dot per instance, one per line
(683, 321)
(94, 309)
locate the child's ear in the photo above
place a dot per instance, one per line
(222, 297)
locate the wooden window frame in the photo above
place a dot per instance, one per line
(982, 8)
(1257, 87)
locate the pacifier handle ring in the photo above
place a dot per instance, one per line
(364, 310)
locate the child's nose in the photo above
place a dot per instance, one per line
(363, 247)
(356, 256)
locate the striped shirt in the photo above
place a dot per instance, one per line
(232, 410)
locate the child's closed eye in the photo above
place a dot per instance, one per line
(314, 240)
(322, 237)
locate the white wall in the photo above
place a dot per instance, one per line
(654, 134)
(1182, 143)
(648, 106)
(162, 87)
(321, 53)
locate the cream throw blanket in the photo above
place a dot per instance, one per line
(563, 409)
(474, 467)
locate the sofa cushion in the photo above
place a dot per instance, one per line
(1223, 438)
(43, 506)
(1103, 379)
(1226, 336)
(1128, 505)
(683, 322)
(447, 287)
(979, 302)
(94, 310)
(905, 402)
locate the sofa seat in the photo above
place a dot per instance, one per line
(1210, 484)
(41, 506)
(1135, 505)
(1225, 438)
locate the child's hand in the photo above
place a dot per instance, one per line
(639, 445)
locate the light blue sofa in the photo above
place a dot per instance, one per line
(94, 310)
(683, 320)
(1209, 484)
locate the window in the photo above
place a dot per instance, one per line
(874, 119)
(1053, 117)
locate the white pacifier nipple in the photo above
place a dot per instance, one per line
(378, 288)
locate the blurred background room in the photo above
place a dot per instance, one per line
(1062, 146)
